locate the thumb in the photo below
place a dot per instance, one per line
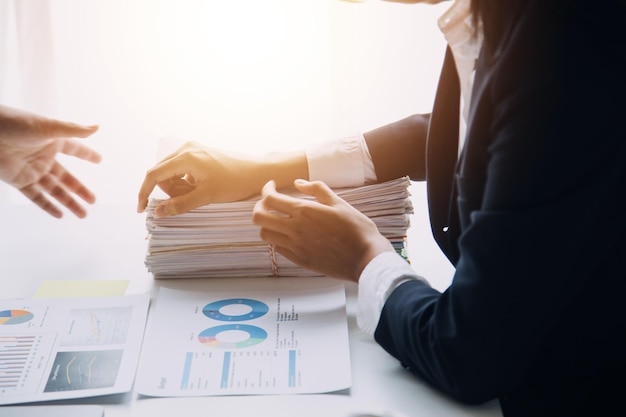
(318, 189)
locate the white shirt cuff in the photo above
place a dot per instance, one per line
(341, 163)
(379, 279)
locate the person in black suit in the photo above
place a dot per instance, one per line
(528, 210)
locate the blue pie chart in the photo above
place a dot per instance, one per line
(211, 337)
(255, 309)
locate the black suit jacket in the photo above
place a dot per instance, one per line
(531, 215)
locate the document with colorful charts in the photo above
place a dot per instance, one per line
(61, 348)
(245, 343)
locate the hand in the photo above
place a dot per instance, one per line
(328, 235)
(196, 175)
(28, 146)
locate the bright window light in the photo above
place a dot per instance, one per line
(252, 75)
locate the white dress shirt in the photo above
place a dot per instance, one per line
(347, 163)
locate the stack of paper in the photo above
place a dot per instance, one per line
(220, 240)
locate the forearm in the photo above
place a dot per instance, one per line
(282, 167)
(399, 148)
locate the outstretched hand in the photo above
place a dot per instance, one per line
(29, 144)
(327, 235)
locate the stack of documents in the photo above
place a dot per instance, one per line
(220, 240)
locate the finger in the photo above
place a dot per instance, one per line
(273, 237)
(318, 189)
(56, 190)
(34, 194)
(176, 186)
(276, 201)
(268, 188)
(179, 204)
(270, 221)
(58, 129)
(163, 171)
(79, 150)
(71, 183)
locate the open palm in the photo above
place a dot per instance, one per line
(29, 144)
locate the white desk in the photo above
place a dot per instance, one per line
(110, 244)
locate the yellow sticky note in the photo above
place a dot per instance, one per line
(81, 288)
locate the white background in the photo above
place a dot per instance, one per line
(250, 75)
(253, 75)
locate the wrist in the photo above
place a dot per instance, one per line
(381, 245)
(282, 167)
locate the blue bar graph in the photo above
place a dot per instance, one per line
(225, 370)
(292, 368)
(184, 384)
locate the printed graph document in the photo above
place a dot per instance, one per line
(246, 343)
(61, 348)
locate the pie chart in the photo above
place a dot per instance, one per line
(232, 336)
(235, 309)
(8, 317)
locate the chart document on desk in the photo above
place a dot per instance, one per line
(62, 348)
(245, 343)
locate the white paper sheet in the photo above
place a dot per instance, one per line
(61, 348)
(245, 343)
(78, 410)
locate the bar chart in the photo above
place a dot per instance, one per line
(18, 356)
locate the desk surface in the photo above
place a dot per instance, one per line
(110, 244)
